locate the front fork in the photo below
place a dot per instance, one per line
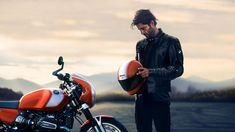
(96, 123)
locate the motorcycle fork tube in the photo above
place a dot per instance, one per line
(97, 126)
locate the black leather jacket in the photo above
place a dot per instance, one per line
(163, 56)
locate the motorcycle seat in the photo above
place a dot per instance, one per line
(9, 104)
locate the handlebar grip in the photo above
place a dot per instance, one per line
(60, 76)
(54, 73)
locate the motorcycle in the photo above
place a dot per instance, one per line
(56, 109)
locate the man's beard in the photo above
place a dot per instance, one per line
(151, 33)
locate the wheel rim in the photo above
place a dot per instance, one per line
(108, 128)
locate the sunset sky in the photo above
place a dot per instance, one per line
(95, 36)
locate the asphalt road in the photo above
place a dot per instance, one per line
(186, 117)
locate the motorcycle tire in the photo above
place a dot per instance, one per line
(109, 124)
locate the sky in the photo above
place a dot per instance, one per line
(95, 36)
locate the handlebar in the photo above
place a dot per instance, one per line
(75, 91)
(60, 76)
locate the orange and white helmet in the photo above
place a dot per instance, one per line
(127, 77)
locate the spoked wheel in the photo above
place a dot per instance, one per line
(109, 124)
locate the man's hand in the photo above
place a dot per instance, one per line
(143, 72)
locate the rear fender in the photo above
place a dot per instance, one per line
(8, 115)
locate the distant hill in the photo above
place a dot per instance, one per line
(198, 79)
(226, 95)
(54, 84)
(114, 97)
(109, 80)
(185, 85)
(108, 83)
(105, 82)
(19, 84)
(8, 94)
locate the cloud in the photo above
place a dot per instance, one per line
(212, 5)
(177, 16)
(39, 24)
(34, 33)
(215, 69)
(74, 34)
(70, 22)
(45, 50)
(209, 50)
(227, 38)
(128, 14)
(39, 57)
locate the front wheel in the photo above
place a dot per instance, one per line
(108, 123)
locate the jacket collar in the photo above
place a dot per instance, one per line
(159, 34)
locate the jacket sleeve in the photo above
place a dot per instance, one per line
(175, 68)
(137, 55)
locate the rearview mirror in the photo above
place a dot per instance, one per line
(60, 61)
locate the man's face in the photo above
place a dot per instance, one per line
(146, 30)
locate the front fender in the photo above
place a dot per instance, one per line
(105, 123)
(98, 117)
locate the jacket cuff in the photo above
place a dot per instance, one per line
(152, 70)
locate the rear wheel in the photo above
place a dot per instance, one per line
(109, 124)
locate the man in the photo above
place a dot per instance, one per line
(162, 60)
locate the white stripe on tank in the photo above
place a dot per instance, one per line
(55, 99)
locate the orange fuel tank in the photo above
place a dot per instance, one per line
(8, 115)
(47, 99)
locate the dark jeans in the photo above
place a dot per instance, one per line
(146, 112)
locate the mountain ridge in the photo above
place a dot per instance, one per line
(19, 85)
(107, 82)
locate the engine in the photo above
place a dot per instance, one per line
(47, 123)
(43, 122)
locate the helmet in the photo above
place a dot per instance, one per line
(127, 77)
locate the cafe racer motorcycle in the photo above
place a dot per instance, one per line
(56, 109)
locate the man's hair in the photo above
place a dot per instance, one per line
(144, 16)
